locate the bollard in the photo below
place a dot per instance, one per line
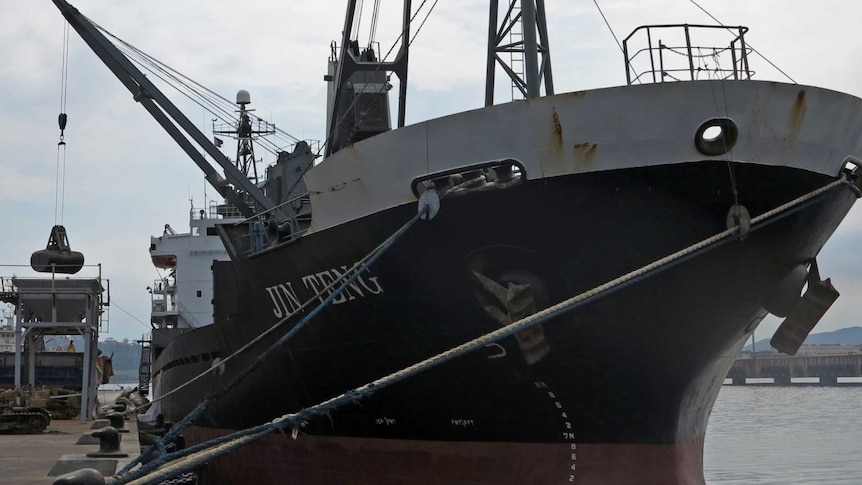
(117, 422)
(84, 476)
(109, 444)
(118, 407)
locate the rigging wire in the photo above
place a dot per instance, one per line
(60, 182)
(747, 43)
(602, 13)
(731, 171)
(204, 97)
(730, 167)
(118, 307)
(375, 14)
(219, 106)
(609, 25)
(61, 154)
(423, 22)
(355, 31)
(64, 72)
(216, 104)
(63, 187)
(195, 92)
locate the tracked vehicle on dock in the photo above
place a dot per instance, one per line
(24, 411)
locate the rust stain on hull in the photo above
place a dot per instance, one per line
(557, 133)
(585, 153)
(797, 112)
(794, 122)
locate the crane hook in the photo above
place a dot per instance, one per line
(62, 122)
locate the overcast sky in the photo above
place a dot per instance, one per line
(125, 178)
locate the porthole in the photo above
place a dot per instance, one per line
(716, 136)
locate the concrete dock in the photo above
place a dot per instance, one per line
(30, 459)
(782, 369)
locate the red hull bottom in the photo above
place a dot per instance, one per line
(319, 460)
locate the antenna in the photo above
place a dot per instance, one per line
(245, 132)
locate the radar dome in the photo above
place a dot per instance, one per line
(242, 97)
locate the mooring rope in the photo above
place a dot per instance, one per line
(349, 277)
(357, 267)
(192, 457)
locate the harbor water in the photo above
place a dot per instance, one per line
(768, 435)
(785, 435)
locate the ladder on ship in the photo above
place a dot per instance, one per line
(145, 368)
(516, 56)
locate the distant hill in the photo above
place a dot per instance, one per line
(844, 336)
(127, 355)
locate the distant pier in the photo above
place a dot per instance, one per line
(787, 370)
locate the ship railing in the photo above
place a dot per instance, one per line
(313, 145)
(686, 52)
(218, 210)
(163, 286)
(162, 297)
(215, 211)
(231, 128)
(60, 282)
(258, 233)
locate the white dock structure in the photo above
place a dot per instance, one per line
(57, 305)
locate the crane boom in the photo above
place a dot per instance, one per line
(172, 120)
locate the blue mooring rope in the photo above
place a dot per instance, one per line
(203, 405)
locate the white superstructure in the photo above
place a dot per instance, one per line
(183, 297)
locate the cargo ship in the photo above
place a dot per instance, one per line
(717, 190)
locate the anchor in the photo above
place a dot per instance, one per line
(807, 312)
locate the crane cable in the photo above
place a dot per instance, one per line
(60, 184)
(372, 33)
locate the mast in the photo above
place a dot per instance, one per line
(245, 133)
(172, 120)
(522, 37)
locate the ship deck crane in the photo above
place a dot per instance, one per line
(235, 186)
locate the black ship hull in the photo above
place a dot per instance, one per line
(617, 391)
